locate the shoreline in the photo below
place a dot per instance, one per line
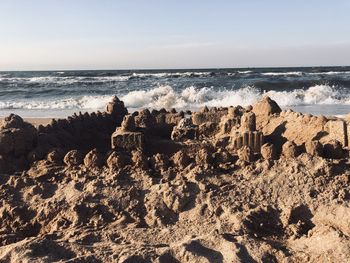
(43, 117)
(35, 121)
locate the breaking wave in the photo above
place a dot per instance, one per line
(172, 74)
(64, 80)
(245, 72)
(79, 103)
(330, 73)
(299, 73)
(190, 98)
(293, 73)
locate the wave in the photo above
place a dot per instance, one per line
(300, 73)
(330, 73)
(71, 80)
(190, 98)
(59, 77)
(78, 103)
(292, 73)
(172, 74)
(318, 94)
(245, 72)
(64, 80)
(3, 76)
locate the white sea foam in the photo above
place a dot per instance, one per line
(292, 73)
(318, 94)
(299, 73)
(189, 98)
(96, 79)
(171, 74)
(65, 80)
(3, 76)
(71, 80)
(79, 103)
(245, 72)
(330, 73)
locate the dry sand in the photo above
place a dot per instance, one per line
(212, 193)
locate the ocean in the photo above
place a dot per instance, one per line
(314, 90)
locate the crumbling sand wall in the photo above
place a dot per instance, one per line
(22, 144)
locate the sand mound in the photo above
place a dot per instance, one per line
(221, 185)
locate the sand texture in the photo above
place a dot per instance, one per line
(235, 184)
(35, 121)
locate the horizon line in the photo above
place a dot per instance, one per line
(177, 68)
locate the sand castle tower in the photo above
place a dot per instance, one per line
(247, 135)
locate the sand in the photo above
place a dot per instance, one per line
(35, 121)
(229, 185)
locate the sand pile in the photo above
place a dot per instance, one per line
(235, 184)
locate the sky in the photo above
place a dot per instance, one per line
(159, 34)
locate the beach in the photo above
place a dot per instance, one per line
(174, 131)
(221, 184)
(35, 121)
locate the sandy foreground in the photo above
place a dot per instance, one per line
(235, 184)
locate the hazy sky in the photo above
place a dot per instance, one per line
(122, 34)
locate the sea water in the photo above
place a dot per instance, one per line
(315, 90)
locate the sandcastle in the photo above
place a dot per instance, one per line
(262, 129)
(164, 186)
